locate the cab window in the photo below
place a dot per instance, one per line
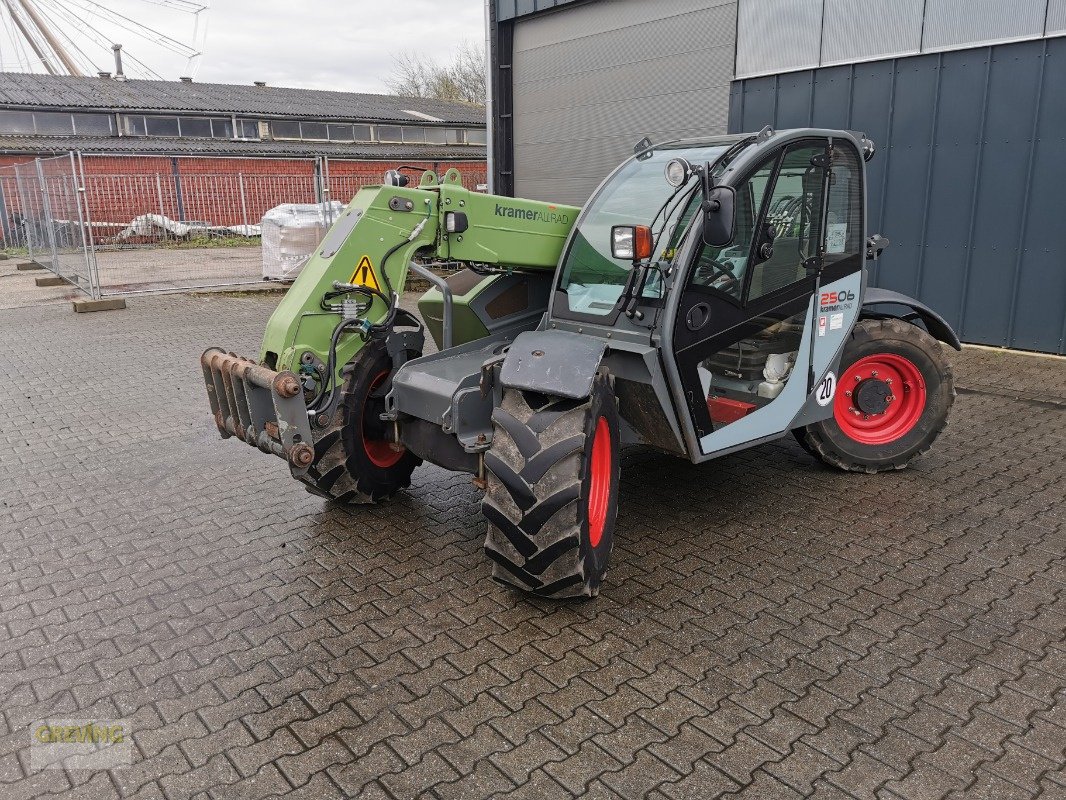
(843, 226)
(724, 268)
(794, 214)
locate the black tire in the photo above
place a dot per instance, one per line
(349, 468)
(838, 442)
(540, 477)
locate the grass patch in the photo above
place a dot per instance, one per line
(198, 242)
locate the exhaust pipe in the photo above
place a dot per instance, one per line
(119, 74)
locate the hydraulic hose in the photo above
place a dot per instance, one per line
(316, 405)
(324, 399)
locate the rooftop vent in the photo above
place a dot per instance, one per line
(260, 83)
(103, 74)
(119, 75)
(185, 79)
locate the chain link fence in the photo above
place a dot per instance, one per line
(119, 231)
(43, 213)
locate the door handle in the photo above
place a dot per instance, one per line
(698, 316)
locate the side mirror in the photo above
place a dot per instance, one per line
(719, 221)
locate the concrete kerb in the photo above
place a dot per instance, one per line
(51, 280)
(85, 304)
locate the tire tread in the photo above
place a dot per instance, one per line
(533, 536)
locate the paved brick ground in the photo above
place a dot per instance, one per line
(145, 269)
(769, 629)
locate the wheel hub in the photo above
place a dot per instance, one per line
(600, 483)
(880, 399)
(873, 396)
(379, 449)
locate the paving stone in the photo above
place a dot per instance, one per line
(905, 644)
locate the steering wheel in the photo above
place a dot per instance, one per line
(721, 275)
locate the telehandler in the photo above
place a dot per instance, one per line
(711, 296)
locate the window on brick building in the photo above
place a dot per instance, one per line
(53, 124)
(247, 129)
(436, 136)
(161, 126)
(414, 135)
(133, 125)
(340, 133)
(362, 133)
(196, 127)
(16, 122)
(315, 131)
(285, 129)
(222, 129)
(389, 133)
(93, 124)
(475, 136)
(455, 136)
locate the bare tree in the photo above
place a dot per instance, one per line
(462, 79)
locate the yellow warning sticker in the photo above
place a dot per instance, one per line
(364, 275)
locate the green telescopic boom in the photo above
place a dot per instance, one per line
(377, 236)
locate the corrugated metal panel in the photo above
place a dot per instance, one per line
(773, 37)
(1056, 17)
(597, 19)
(1002, 193)
(859, 30)
(1040, 281)
(590, 83)
(509, 9)
(967, 182)
(69, 91)
(959, 23)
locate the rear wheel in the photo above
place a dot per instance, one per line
(892, 400)
(355, 462)
(552, 495)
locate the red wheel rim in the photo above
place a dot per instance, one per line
(379, 451)
(885, 373)
(599, 480)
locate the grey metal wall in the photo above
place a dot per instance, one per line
(509, 9)
(590, 81)
(781, 35)
(969, 182)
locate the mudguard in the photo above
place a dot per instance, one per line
(934, 323)
(553, 362)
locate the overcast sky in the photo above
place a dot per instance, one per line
(317, 44)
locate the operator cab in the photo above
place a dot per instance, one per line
(717, 246)
(598, 283)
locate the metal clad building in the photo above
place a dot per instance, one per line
(963, 97)
(580, 86)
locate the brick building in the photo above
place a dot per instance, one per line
(172, 147)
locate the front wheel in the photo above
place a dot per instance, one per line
(355, 460)
(892, 400)
(552, 494)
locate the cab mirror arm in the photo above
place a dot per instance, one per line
(719, 210)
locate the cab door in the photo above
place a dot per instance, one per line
(741, 338)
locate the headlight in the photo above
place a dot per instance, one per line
(678, 171)
(631, 242)
(622, 242)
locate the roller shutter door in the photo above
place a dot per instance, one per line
(590, 81)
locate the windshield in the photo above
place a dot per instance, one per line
(592, 279)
